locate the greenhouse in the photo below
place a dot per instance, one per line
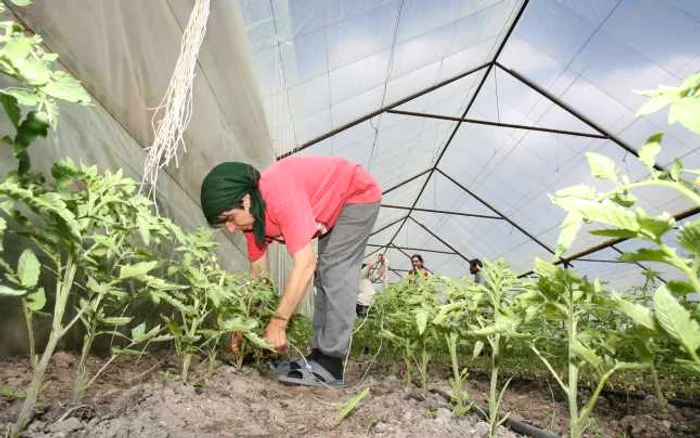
(349, 218)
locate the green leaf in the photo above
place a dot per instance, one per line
(478, 347)
(679, 288)
(350, 405)
(239, 324)
(676, 169)
(645, 255)
(117, 320)
(651, 148)
(33, 126)
(258, 341)
(65, 87)
(654, 227)
(23, 96)
(687, 112)
(157, 296)
(689, 237)
(693, 367)
(624, 199)
(36, 300)
(144, 231)
(11, 108)
(586, 353)
(421, 320)
(138, 332)
(676, 320)
(569, 230)
(28, 269)
(626, 234)
(445, 311)
(653, 105)
(601, 166)
(606, 212)
(125, 352)
(641, 348)
(640, 315)
(22, 2)
(9, 292)
(577, 191)
(137, 270)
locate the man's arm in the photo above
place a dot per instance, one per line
(294, 290)
(302, 273)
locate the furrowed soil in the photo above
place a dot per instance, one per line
(143, 398)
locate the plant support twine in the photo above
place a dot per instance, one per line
(173, 114)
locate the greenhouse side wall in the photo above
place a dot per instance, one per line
(228, 122)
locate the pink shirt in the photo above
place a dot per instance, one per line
(304, 196)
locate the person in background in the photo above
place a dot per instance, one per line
(294, 201)
(475, 266)
(417, 267)
(371, 272)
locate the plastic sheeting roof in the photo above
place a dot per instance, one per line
(327, 69)
(289, 76)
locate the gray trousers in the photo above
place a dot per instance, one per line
(337, 279)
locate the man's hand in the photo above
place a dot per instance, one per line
(236, 340)
(276, 333)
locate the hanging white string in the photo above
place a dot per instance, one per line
(173, 114)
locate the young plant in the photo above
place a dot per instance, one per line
(79, 223)
(58, 237)
(496, 322)
(673, 316)
(25, 284)
(115, 224)
(408, 309)
(453, 319)
(563, 295)
(460, 397)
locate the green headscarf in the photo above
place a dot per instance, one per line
(224, 188)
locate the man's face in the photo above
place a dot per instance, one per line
(238, 218)
(473, 269)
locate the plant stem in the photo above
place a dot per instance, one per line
(657, 387)
(572, 387)
(186, 359)
(424, 359)
(660, 183)
(81, 377)
(28, 319)
(493, 390)
(63, 289)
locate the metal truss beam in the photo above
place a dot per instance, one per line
(610, 243)
(409, 248)
(557, 101)
(489, 67)
(387, 226)
(499, 124)
(430, 210)
(490, 207)
(441, 240)
(373, 114)
(404, 182)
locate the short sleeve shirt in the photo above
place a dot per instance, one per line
(304, 197)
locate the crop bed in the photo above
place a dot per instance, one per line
(143, 398)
